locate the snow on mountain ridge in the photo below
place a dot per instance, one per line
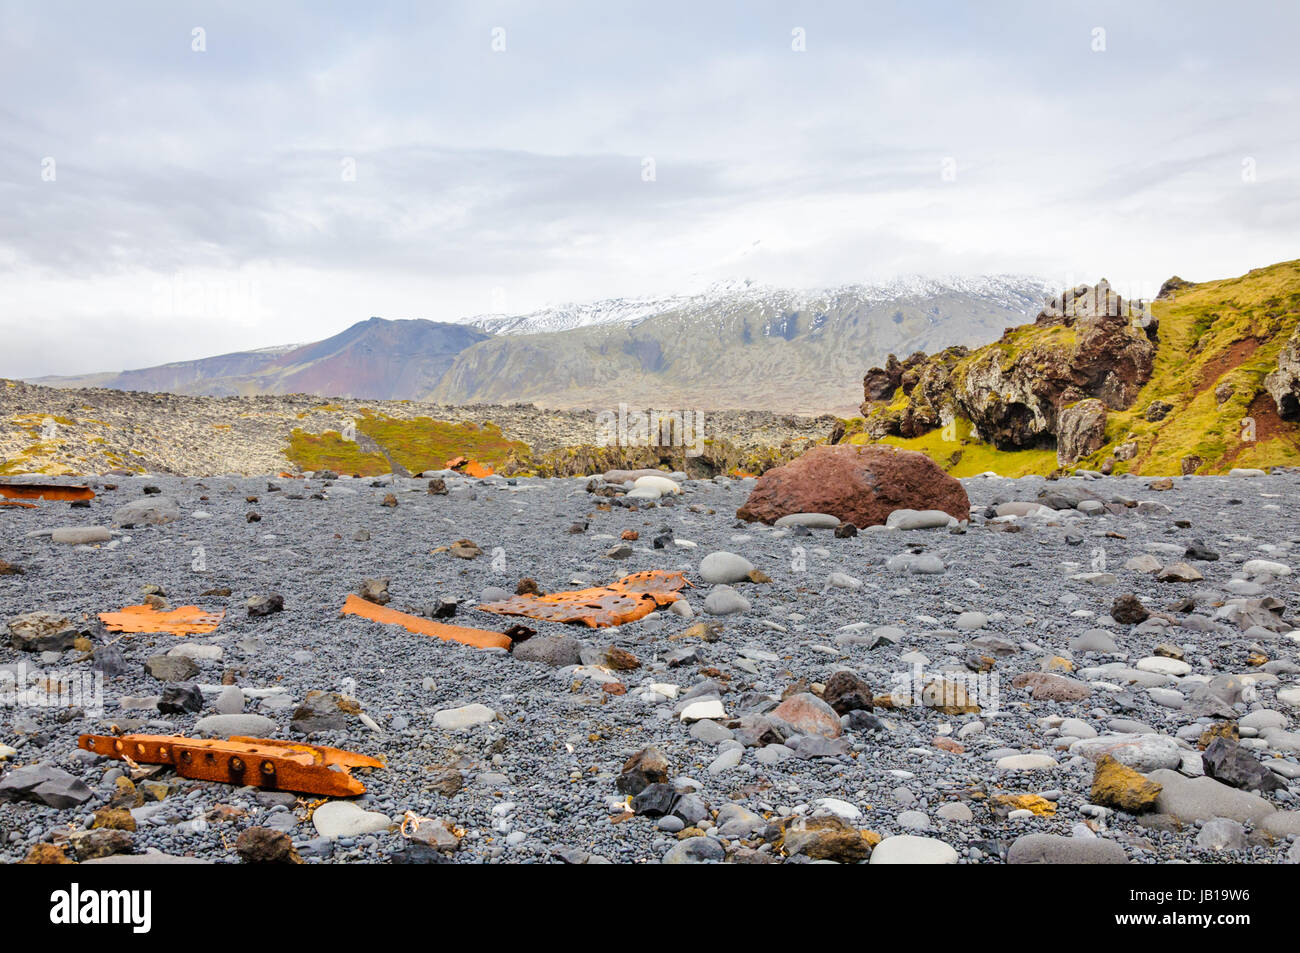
(726, 295)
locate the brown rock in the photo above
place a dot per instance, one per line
(1128, 610)
(117, 819)
(445, 781)
(389, 500)
(1119, 786)
(620, 660)
(465, 549)
(261, 845)
(948, 698)
(846, 692)
(1052, 688)
(92, 844)
(806, 714)
(648, 766)
(46, 854)
(861, 485)
(1220, 729)
(374, 590)
(825, 838)
(528, 587)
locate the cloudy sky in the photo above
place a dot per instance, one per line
(182, 179)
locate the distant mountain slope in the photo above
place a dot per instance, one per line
(735, 346)
(761, 348)
(378, 359)
(1205, 380)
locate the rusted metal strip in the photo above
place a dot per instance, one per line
(183, 620)
(52, 492)
(260, 762)
(627, 600)
(479, 638)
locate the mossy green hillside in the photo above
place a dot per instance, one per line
(1217, 341)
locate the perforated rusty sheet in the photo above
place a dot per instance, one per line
(260, 762)
(627, 600)
(52, 492)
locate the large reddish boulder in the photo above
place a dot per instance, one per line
(861, 485)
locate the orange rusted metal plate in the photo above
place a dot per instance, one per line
(26, 506)
(469, 467)
(46, 491)
(479, 638)
(260, 762)
(627, 600)
(183, 620)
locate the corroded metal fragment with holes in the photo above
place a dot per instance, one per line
(260, 762)
(627, 600)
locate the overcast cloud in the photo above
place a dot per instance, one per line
(199, 202)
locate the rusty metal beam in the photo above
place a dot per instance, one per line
(260, 762)
(479, 638)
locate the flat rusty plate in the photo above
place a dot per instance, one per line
(46, 491)
(183, 620)
(627, 600)
(260, 762)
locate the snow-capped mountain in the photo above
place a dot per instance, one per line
(728, 296)
(736, 344)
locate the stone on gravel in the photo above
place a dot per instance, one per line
(335, 819)
(44, 784)
(724, 567)
(80, 535)
(724, 600)
(857, 484)
(467, 716)
(151, 511)
(171, 668)
(912, 849)
(1046, 687)
(41, 632)
(225, 726)
(556, 651)
(1140, 752)
(811, 520)
(806, 714)
(1055, 849)
(846, 691)
(1200, 799)
(1115, 785)
(905, 519)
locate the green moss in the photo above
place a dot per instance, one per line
(958, 452)
(423, 443)
(419, 443)
(329, 451)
